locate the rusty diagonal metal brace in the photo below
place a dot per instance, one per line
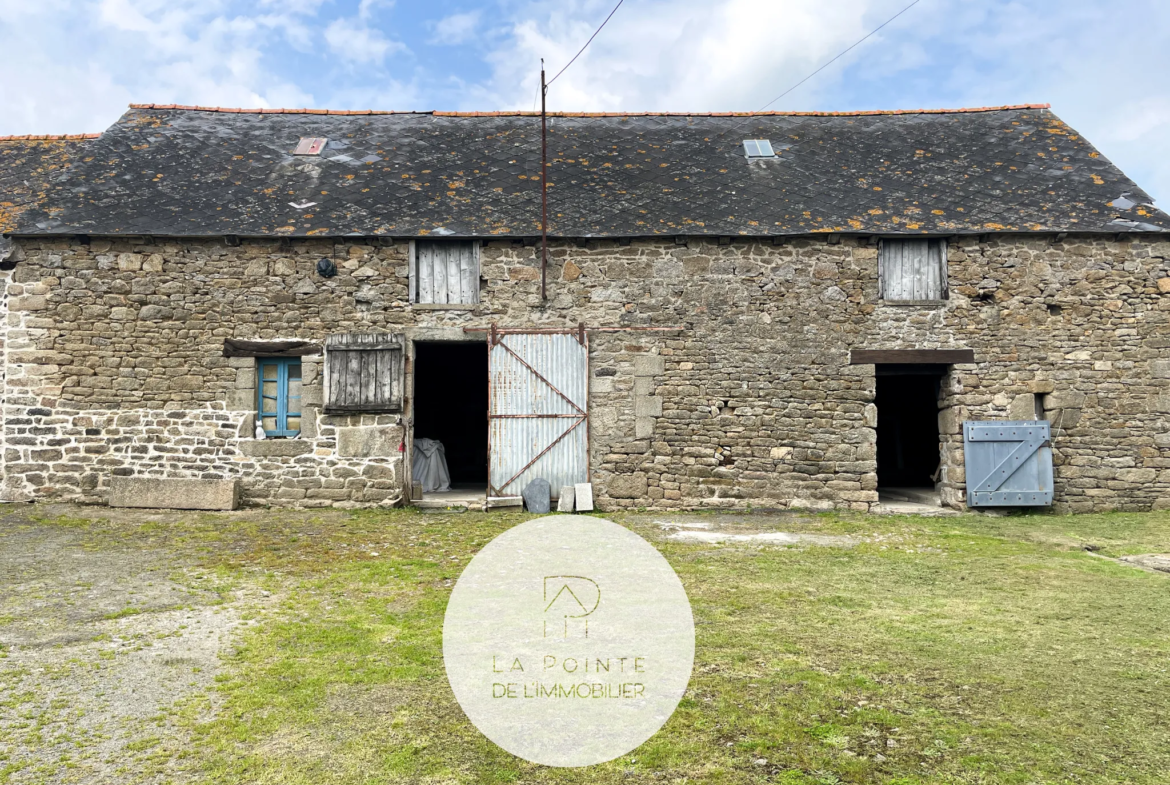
(581, 416)
(538, 376)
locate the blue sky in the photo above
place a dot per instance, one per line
(74, 65)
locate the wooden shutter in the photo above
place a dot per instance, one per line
(1008, 463)
(363, 373)
(913, 270)
(445, 271)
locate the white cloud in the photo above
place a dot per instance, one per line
(109, 54)
(456, 28)
(298, 7)
(672, 54)
(353, 40)
(366, 7)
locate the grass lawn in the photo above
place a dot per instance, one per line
(936, 650)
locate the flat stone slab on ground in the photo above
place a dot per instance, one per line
(583, 496)
(537, 495)
(565, 503)
(174, 493)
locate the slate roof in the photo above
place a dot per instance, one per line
(28, 167)
(169, 170)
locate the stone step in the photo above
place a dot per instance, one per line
(927, 496)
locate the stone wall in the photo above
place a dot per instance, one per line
(752, 403)
(72, 454)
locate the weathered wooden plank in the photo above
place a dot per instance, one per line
(336, 373)
(911, 356)
(378, 361)
(370, 385)
(891, 261)
(910, 270)
(454, 282)
(940, 263)
(412, 270)
(361, 379)
(930, 288)
(397, 361)
(426, 277)
(469, 273)
(365, 372)
(353, 375)
(439, 271)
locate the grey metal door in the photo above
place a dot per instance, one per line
(1009, 463)
(538, 410)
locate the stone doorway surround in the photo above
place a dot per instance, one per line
(429, 335)
(951, 482)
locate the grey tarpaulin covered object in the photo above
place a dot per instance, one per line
(430, 466)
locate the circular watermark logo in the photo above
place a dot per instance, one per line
(568, 640)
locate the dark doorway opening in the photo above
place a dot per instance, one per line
(907, 430)
(451, 404)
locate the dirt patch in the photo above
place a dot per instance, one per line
(745, 529)
(1151, 561)
(101, 648)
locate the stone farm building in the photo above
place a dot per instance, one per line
(774, 310)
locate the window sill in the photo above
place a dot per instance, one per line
(912, 303)
(445, 306)
(275, 448)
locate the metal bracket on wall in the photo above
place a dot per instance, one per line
(579, 330)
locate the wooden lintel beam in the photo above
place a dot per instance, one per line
(911, 356)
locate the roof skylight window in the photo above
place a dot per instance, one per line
(758, 148)
(310, 145)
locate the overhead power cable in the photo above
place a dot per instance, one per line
(838, 57)
(595, 32)
(752, 118)
(544, 150)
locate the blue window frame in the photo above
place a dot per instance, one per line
(278, 397)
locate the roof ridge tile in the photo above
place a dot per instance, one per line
(48, 137)
(526, 113)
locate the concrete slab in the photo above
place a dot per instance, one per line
(466, 498)
(174, 493)
(927, 496)
(583, 496)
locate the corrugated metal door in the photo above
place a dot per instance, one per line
(538, 410)
(1008, 463)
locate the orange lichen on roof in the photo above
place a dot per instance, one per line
(48, 137)
(26, 164)
(525, 113)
